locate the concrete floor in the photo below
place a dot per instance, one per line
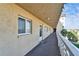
(48, 47)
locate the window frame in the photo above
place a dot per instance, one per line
(26, 19)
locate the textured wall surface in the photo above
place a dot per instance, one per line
(10, 42)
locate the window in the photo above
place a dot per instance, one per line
(24, 26)
(28, 26)
(46, 28)
(21, 25)
(41, 29)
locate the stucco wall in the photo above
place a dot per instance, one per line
(10, 42)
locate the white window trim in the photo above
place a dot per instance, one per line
(25, 29)
(23, 34)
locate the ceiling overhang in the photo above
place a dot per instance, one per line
(47, 12)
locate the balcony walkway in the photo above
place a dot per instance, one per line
(48, 47)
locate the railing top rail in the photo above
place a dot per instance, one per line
(74, 50)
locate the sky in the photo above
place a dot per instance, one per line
(72, 15)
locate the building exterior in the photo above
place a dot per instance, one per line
(16, 42)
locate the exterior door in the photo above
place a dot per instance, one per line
(41, 33)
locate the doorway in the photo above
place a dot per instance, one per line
(40, 32)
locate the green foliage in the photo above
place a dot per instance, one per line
(77, 45)
(64, 32)
(70, 35)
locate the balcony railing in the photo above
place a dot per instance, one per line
(66, 47)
